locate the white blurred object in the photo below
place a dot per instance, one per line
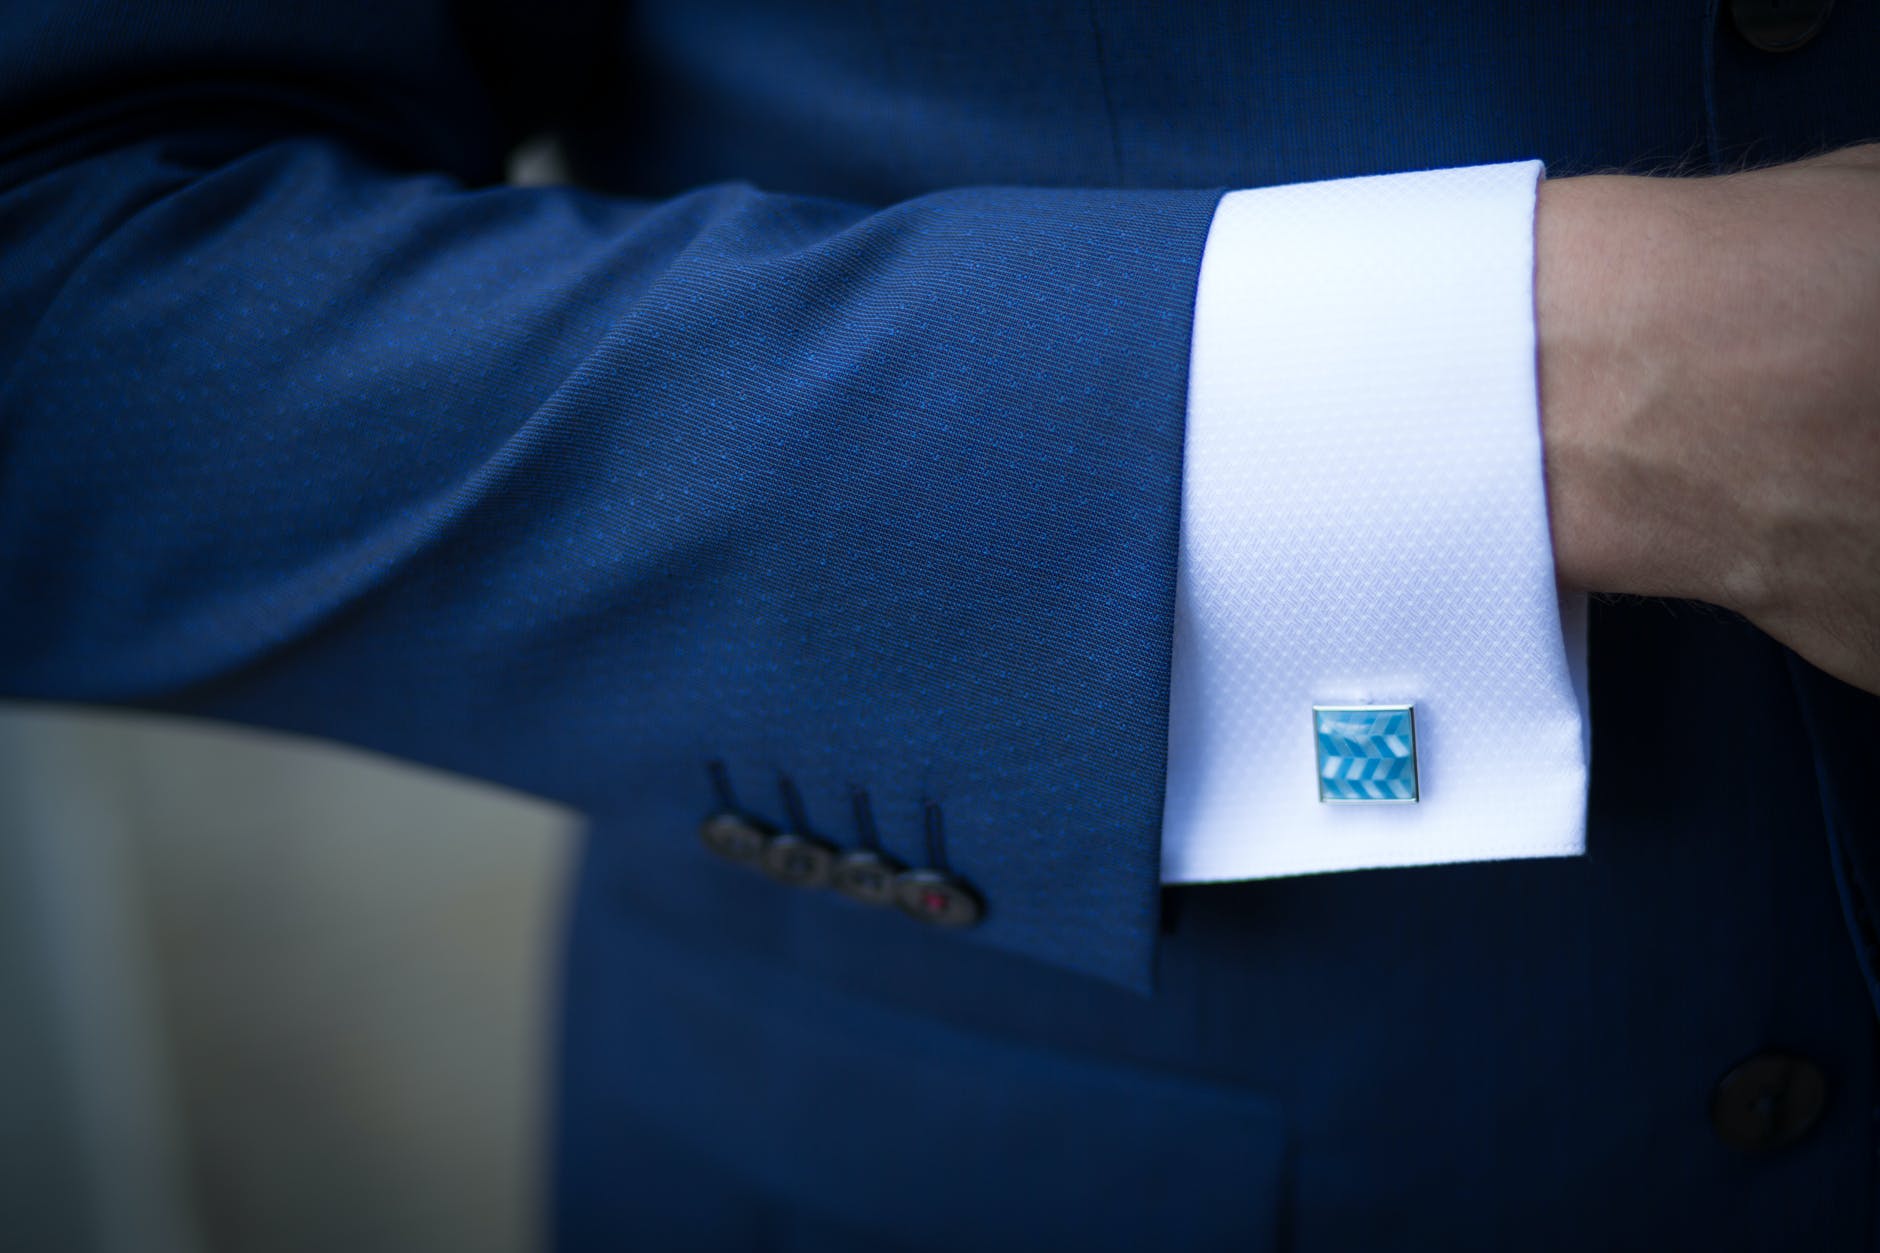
(295, 997)
(92, 1146)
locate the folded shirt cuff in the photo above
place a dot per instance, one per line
(1364, 522)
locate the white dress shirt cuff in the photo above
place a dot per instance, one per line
(1364, 521)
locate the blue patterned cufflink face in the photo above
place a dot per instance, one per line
(1367, 753)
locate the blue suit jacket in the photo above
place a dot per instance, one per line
(836, 436)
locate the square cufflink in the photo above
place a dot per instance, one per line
(1367, 753)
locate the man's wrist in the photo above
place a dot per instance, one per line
(1709, 391)
(1615, 291)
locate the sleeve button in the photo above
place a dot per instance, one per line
(734, 839)
(866, 877)
(937, 898)
(802, 861)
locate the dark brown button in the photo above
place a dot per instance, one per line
(1769, 1102)
(866, 877)
(1779, 25)
(802, 861)
(933, 896)
(734, 839)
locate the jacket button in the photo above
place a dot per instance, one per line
(866, 877)
(734, 839)
(802, 861)
(1779, 25)
(1769, 1102)
(933, 896)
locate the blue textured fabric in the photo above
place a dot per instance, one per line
(834, 434)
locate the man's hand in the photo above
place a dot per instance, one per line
(1710, 394)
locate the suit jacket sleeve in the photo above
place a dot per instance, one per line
(310, 423)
